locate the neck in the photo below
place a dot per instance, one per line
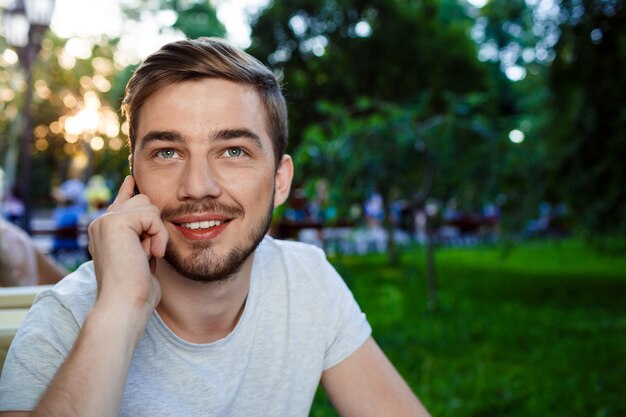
(202, 312)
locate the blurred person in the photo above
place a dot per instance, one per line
(188, 307)
(97, 194)
(374, 210)
(321, 208)
(21, 262)
(66, 215)
(13, 207)
(73, 189)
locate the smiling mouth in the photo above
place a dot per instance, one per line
(203, 225)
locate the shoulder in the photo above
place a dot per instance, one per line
(305, 268)
(20, 255)
(322, 303)
(45, 339)
(80, 283)
(76, 292)
(299, 261)
(292, 251)
(13, 235)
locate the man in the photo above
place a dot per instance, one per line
(188, 309)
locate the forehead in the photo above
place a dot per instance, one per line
(200, 106)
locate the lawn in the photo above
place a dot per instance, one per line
(540, 331)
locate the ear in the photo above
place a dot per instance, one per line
(282, 180)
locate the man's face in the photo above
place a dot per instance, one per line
(204, 157)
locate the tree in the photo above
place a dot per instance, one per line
(340, 52)
(587, 133)
(363, 79)
(393, 51)
(65, 77)
(371, 146)
(515, 40)
(194, 18)
(395, 150)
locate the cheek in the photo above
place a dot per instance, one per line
(155, 186)
(256, 189)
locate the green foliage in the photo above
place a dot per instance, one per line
(512, 33)
(403, 108)
(197, 19)
(588, 125)
(388, 51)
(362, 148)
(574, 141)
(194, 18)
(539, 332)
(395, 149)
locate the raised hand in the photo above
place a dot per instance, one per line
(124, 244)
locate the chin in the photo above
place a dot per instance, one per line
(203, 264)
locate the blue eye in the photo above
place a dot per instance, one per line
(233, 152)
(166, 153)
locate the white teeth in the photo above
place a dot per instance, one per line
(202, 225)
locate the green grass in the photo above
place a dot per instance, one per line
(540, 331)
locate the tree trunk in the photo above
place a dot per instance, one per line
(430, 267)
(392, 250)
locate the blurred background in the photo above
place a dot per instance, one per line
(460, 161)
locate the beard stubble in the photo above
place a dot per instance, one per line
(204, 265)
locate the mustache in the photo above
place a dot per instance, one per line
(209, 206)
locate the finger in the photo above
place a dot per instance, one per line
(145, 244)
(152, 263)
(154, 236)
(90, 247)
(126, 192)
(158, 243)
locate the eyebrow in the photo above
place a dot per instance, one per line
(227, 134)
(167, 136)
(221, 135)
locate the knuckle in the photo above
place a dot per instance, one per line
(91, 228)
(142, 199)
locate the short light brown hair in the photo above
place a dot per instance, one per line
(207, 58)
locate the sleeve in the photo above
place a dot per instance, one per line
(348, 327)
(41, 344)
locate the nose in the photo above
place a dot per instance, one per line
(198, 180)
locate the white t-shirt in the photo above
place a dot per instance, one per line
(299, 319)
